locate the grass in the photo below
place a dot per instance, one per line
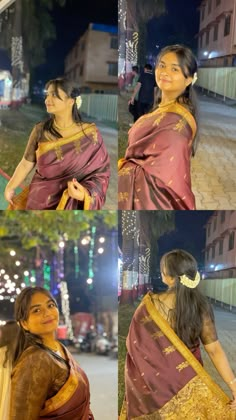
(125, 315)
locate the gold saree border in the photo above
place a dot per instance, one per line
(183, 349)
(65, 196)
(46, 146)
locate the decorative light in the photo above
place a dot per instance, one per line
(89, 281)
(16, 276)
(12, 252)
(26, 273)
(101, 239)
(6, 276)
(61, 244)
(1, 297)
(33, 279)
(22, 284)
(12, 300)
(17, 263)
(3, 271)
(65, 305)
(86, 240)
(100, 250)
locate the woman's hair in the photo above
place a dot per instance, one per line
(188, 65)
(72, 91)
(191, 306)
(9, 334)
(22, 308)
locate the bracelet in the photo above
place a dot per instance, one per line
(232, 382)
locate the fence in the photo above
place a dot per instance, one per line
(100, 106)
(219, 80)
(221, 290)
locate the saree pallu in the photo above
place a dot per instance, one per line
(163, 379)
(82, 156)
(155, 173)
(72, 400)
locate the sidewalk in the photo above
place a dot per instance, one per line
(226, 330)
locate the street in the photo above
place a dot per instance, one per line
(226, 330)
(213, 167)
(102, 373)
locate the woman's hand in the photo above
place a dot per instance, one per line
(9, 194)
(76, 190)
(233, 402)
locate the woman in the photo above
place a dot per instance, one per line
(72, 162)
(155, 173)
(8, 340)
(164, 375)
(46, 381)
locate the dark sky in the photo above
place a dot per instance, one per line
(180, 24)
(71, 22)
(188, 235)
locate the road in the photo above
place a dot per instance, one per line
(103, 377)
(226, 330)
(213, 167)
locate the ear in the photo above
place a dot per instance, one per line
(188, 81)
(24, 325)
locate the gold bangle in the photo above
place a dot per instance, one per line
(232, 382)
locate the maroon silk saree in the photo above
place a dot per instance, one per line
(155, 173)
(73, 399)
(163, 379)
(82, 156)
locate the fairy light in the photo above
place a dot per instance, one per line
(65, 306)
(100, 250)
(17, 263)
(101, 240)
(46, 275)
(76, 256)
(91, 255)
(12, 252)
(89, 281)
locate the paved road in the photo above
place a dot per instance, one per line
(226, 330)
(214, 166)
(103, 377)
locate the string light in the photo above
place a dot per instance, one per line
(100, 250)
(65, 306)
(12, 253)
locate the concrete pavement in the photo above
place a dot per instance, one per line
(226, 330)
(214, 166)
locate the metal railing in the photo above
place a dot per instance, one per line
(221, 290)
(219, 80)
(100, 106)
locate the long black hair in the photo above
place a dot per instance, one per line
(22, 307)
(72, 91)
(9, 335)
(188, 65)
(191, 306)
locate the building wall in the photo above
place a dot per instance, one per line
(221, 233)
(93, 61)
(223, 45)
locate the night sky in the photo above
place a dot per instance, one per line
(71, 22)
(189, 234)
(179, 25)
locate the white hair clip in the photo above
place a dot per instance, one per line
(186, 281)
(78, 101)
(194, 78)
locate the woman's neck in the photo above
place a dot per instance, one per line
(50, 341)
(166, 99)
(63, 121)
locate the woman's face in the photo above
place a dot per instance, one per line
(169, 76)
(43, 315)
(57, 105)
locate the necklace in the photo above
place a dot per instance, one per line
(62, 128)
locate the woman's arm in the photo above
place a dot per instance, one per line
(21, 171)
(219, 359)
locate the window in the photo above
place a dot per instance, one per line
(231, 241)
(214, 225)
(213, 251)
(113, 69)
(227, 25)
(215, 36)
(209, 6)
(207, 37)
(114, 43)
(222, 216)
(221, 244)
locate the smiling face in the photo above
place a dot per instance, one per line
(169, 75)
(57, 101)
(43, 316)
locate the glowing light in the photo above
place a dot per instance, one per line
(17, 263)
(61, 244)
(101, 240)
(16, 276)
(1, 297)
(89, 281)
(12, 252)
(12, 300)
(26, 273)
(33, 279)
(22, 284)
(3, 271)
(2, 322)
(6, 276)
(85, 240)
(66, 296)
(205, 53)
(100, 250)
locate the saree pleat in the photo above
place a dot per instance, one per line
(155, 173)
(163, 378)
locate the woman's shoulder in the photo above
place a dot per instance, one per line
(34, 356)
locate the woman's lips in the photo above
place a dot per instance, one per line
(49, 321)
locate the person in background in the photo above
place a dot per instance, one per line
(133, 105)
(145, 89)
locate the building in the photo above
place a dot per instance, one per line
(217, 33)
(93, 61)
(220, 250)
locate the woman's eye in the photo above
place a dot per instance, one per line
(51, 305)
(160, 65)
(174, 69)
